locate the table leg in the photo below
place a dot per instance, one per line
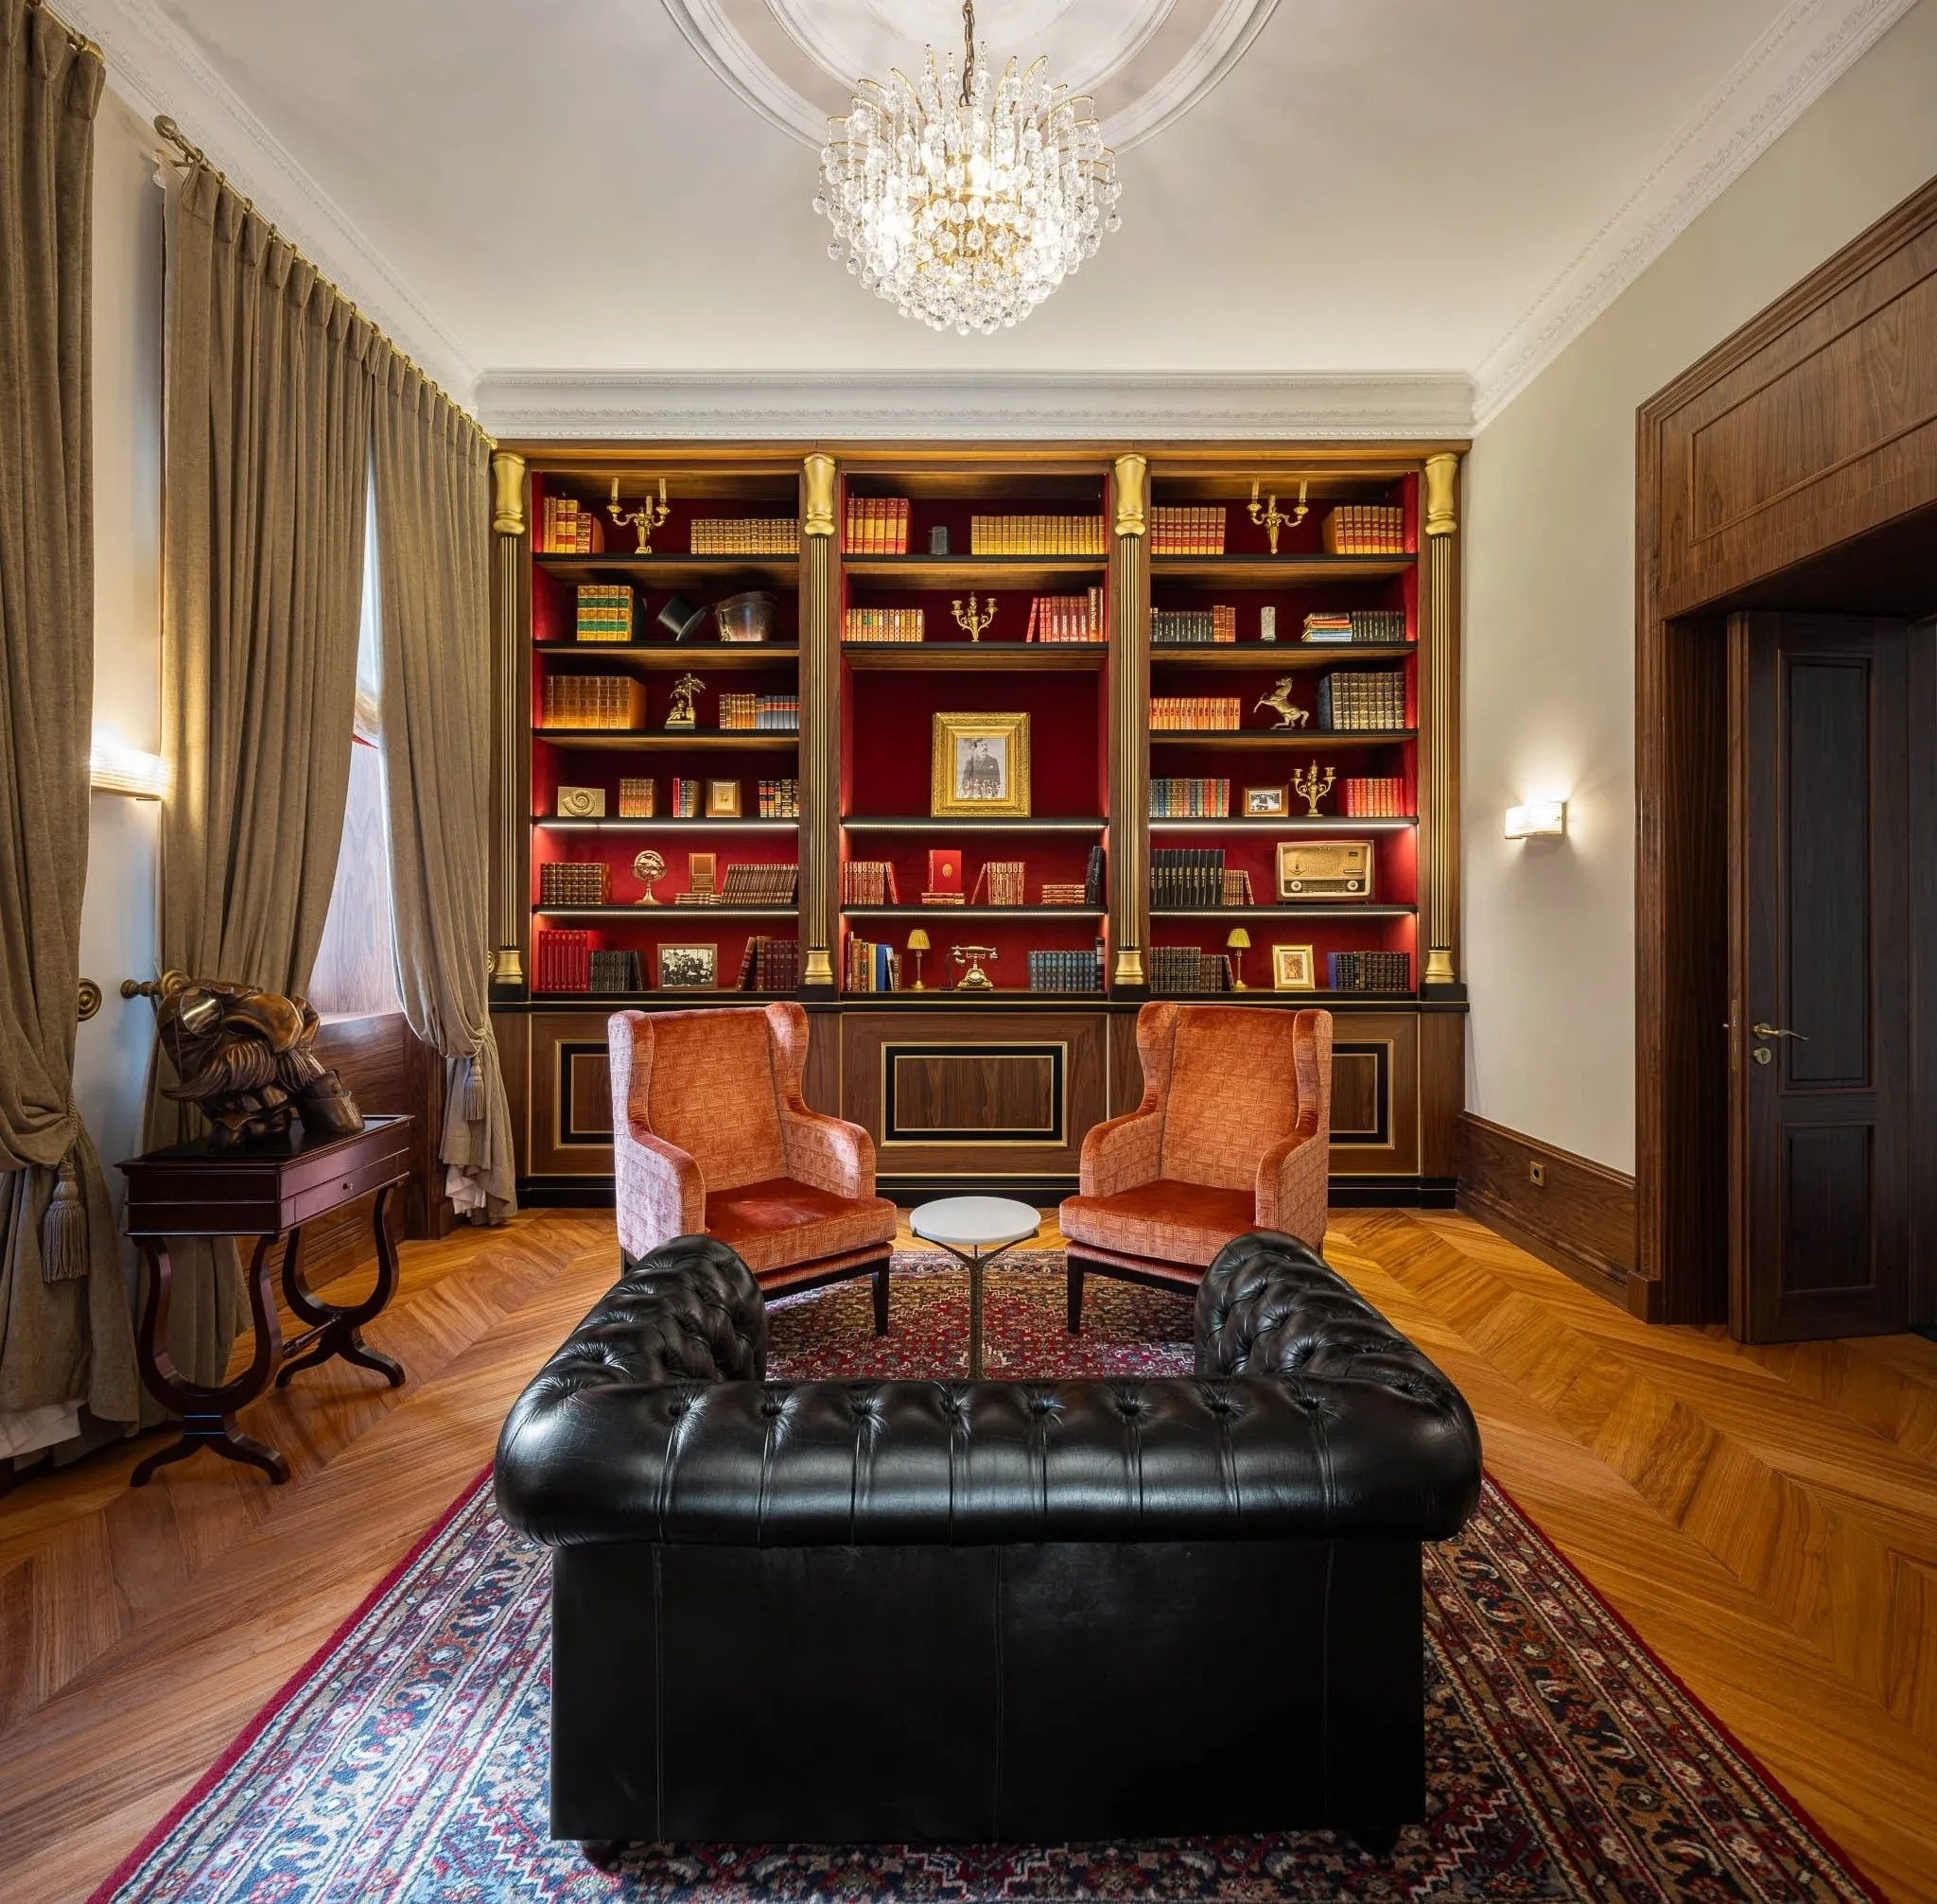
(208, 1415)
(339, 1331)
(975, 1268)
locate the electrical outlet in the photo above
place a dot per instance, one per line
(1537, 1176)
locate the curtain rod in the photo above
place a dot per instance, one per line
(76, 38)
(189, 153)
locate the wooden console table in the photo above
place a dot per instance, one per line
(267, 1190)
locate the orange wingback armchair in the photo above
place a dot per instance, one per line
(1233, 1134)
(710, 1133)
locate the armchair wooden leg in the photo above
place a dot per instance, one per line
(1075, 1272)
(880, 1300)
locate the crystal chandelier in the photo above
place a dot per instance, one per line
(966, 199)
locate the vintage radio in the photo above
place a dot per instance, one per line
(1324, 869)
(582, 803)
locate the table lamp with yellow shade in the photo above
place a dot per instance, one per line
(1240, 943)
(917, 944)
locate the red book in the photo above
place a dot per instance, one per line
(943, 870)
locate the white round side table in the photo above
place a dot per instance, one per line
(975, 1230)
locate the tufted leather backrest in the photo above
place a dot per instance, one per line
(712, 1092)
(1233, 1091)
(628, 1435)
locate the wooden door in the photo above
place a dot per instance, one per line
(1820, 1026)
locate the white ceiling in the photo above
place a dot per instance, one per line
(1376, 185)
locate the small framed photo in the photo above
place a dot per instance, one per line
(1294, 968)
(1266, 803)
(722, 800)
(979, 767)
(688, 968)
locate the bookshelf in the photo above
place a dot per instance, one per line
(1126, 604)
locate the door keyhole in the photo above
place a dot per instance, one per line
(1761, 1054)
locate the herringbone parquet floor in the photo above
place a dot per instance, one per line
(1767, 1519)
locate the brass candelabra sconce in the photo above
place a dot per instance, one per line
(975, 619)
(1271, 518)
(1311, 789)
(974, 978)
(647, 518)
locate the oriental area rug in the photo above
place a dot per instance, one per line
(407, 1763)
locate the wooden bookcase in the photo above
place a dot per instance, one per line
(995, 1087)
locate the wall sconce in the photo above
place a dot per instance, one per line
(116, 768)
(1537, 819)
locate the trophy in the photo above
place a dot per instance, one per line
(1310, 789)
(1278, 700)
(648, 866)
(974, 979)
(680, 718)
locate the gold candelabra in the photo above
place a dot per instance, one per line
(974, 979)
(974, 619)
(1271, 518)
(1311, 789)
(647, 517)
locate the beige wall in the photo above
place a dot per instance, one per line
(1549, 681)
(117, 917)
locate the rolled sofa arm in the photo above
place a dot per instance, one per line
(689, 1312)
(600, 1449)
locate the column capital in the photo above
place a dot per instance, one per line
(1443, 478)
(507, 493)
(1132, 493)
(817, 473)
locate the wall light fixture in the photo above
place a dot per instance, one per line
(1537, 819)
(115, 767)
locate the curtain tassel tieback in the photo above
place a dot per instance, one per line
(474, 1092)
(63, 1229)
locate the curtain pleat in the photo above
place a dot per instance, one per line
(65, 1339)
(269, 400)
(432, 544)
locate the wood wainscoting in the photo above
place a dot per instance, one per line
(1579, 1216)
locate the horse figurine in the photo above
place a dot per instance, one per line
(1279, 701)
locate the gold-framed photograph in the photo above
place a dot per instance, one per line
(1266, 803)
(691, 967)
(1294, 968)
(722, 800)
(979, 767)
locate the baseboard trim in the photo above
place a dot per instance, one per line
(1582, 1223)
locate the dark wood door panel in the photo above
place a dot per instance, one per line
(1821, 1164)
(1817, 423)
(942, 1092)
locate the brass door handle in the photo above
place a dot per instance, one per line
(1777, 1030)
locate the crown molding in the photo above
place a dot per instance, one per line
(1808, 49)
(155, 66)
(1026, 405)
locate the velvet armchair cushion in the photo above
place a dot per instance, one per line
(710, 1132)
(1233, 1133)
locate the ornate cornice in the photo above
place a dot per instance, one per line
(1792, 65)
(154, 64)
(706, 405)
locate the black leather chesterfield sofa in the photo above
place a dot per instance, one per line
(1035, 1611)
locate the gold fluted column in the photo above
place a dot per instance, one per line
(1439, 744)
(820, 760)
(1129, 726)
(513, 832)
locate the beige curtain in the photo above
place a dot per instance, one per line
(432, 550)
(65, 1339)
(268, 457)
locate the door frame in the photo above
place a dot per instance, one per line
(1697, 552)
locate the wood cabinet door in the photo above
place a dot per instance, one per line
(1821, 1031)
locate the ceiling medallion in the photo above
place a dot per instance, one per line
(966, 198)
